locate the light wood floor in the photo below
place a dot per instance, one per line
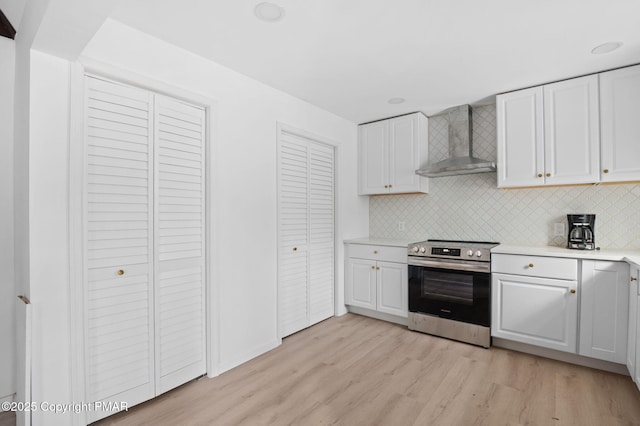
(354, 370)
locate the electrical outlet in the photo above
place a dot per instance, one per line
(401, 226)
(558, 229)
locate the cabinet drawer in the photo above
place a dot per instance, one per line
(535, 266)
(375, 252)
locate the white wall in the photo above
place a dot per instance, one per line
(244, 175)
(244, 178)
(49, 233)
(7, 284)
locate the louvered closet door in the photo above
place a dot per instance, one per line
(293, 271)
(118, 258)
(306, 232)
(321, 238)
(179, 230)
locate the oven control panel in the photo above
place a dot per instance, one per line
(443, 251)
(468, 251)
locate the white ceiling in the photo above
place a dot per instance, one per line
(350, 56)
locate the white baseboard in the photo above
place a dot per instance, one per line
(248, 356)
(379, 315)
(561, 356)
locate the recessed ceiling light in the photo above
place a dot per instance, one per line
(606, 47)
(269, 12)
(395, 101)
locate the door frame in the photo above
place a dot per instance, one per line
(77, 214)
(286, 128)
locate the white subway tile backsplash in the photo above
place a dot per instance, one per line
(470, 207)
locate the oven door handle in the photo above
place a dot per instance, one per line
(440, 264)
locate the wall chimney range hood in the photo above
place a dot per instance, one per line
(460, 161)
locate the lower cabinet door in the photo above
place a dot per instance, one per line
(632, 335)
(537, 311)
(637, 363)
(361, 283)
(392, 288)
(604, 306)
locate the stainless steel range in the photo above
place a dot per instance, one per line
(450, 289)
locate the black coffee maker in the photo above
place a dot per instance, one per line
(581, 228)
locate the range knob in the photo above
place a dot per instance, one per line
(423, 250)
(479, 253)
(470, 253)
(415, 249)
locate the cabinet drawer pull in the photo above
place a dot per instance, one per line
(531, 265)
(572, 291)
(120, 272)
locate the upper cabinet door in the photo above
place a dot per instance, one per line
(389, 153)
(620, 115)
(520, 138)
(404, 154)
(373, 157)
(571, 128)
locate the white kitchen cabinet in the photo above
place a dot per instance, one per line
(549, 135)
(571, 131)
(306, 241)
(534, 306)
(633, 330)
(604, 308)
(376, 278)
(520, 138)
(620, 103)
(389, 152)
(143, 231)
(361, 283)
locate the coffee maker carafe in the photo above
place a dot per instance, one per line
(581, 229)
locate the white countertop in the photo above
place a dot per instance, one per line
(630, 256)
(380, 242)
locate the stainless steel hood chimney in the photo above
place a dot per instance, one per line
(460, 161)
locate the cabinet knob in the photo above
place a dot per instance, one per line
(386, 186)
(531, 265)
(295, 249)
(548, 174)
(377, 268)
(390, 186)
(120, 272)
(634, 279)
(539, 174)
(375, 252)
(373, 267)
(606, 170)
(572, 291)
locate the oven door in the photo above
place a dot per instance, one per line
(452, 290)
